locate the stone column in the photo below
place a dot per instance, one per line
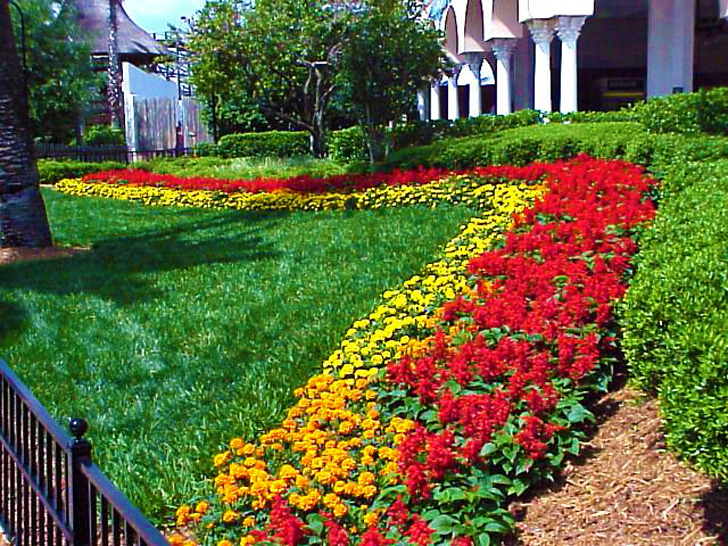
(568, 30)
(475, 62)
(423, 104)
(542, 32)
(435, 101)
(453, 99)
(670, 42)
(503, 50)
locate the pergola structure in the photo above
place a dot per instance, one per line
(653, 40)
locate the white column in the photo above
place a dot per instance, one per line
(568, 30)
(522, 70)
(542, 32)
(670, 42)
(475, 62)
(423, 100)
(453, 99)
(435, 101)
(503, 50)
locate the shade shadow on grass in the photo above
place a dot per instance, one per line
(114, 268)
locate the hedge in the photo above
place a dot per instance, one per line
(675, 315)
(268, 144)
(628, 141)
(51, 171)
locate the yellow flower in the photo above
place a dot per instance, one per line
(340, 510)
(202, 507)
(221, 458)
(224, 542)
(249, 521)
(230, 516)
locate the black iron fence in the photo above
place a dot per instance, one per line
(97, 154)
(51, 493)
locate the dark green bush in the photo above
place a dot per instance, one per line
(347, 145)
(206, 149)
(628, 141)
(51, 171)
(689, 113)
(675, 315)
(268, 144)
(103, 135)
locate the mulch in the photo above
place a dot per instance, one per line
(625, 489)
(13, 255)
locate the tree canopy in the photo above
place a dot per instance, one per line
(292, 59)
(61, 81)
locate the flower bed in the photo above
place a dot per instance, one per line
(461, 390)
(465, 188)
(345, 183)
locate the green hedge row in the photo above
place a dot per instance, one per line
(675, 315)
(268, 144)
(628, 141)
(51, 171)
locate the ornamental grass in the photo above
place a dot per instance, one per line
(461, 390)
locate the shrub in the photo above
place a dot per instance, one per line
(675, 316)
(206, 149)
(689, 113)
(628, 141)
(51, 171)
(347, 145)
(103, 135)
(268, 144)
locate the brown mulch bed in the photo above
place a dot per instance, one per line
(12, 255)
(626, 489)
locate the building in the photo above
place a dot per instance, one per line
(564, 55)
(159, 112)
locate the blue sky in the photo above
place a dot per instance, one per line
(153, 15)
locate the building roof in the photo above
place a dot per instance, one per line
(133, 40)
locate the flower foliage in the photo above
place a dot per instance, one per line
(460, 390)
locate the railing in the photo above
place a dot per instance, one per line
(95, 154)
(51, 493)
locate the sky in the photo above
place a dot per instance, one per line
(154, 15)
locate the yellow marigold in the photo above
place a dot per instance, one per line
(277, 487)
(346, 427)
(249, 521)
(183, 511)
(237, 443)
(366, 478)
(221, 458)
(287, 472)
(247, 540)
(340, 510)
(371, 519)
(368, 434)
(324, 477)
(176, 540)
(224, 542)
(230, 516)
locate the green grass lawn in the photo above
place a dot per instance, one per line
(181, 328)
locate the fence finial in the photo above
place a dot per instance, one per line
(78, 427)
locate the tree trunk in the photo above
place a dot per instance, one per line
(23, 220)
(114, 92)
(377, 144)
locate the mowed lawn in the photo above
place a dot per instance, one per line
(182, 328)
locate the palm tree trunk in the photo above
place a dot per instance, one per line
(23, 219)
(114, 94)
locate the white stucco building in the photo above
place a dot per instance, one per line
(568, 55)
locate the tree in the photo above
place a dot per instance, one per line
(61, 80)
(23, 220)
(283, 54)
(392, 53)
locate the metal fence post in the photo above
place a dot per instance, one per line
(79, 495)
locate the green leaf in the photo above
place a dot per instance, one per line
(443, 524)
